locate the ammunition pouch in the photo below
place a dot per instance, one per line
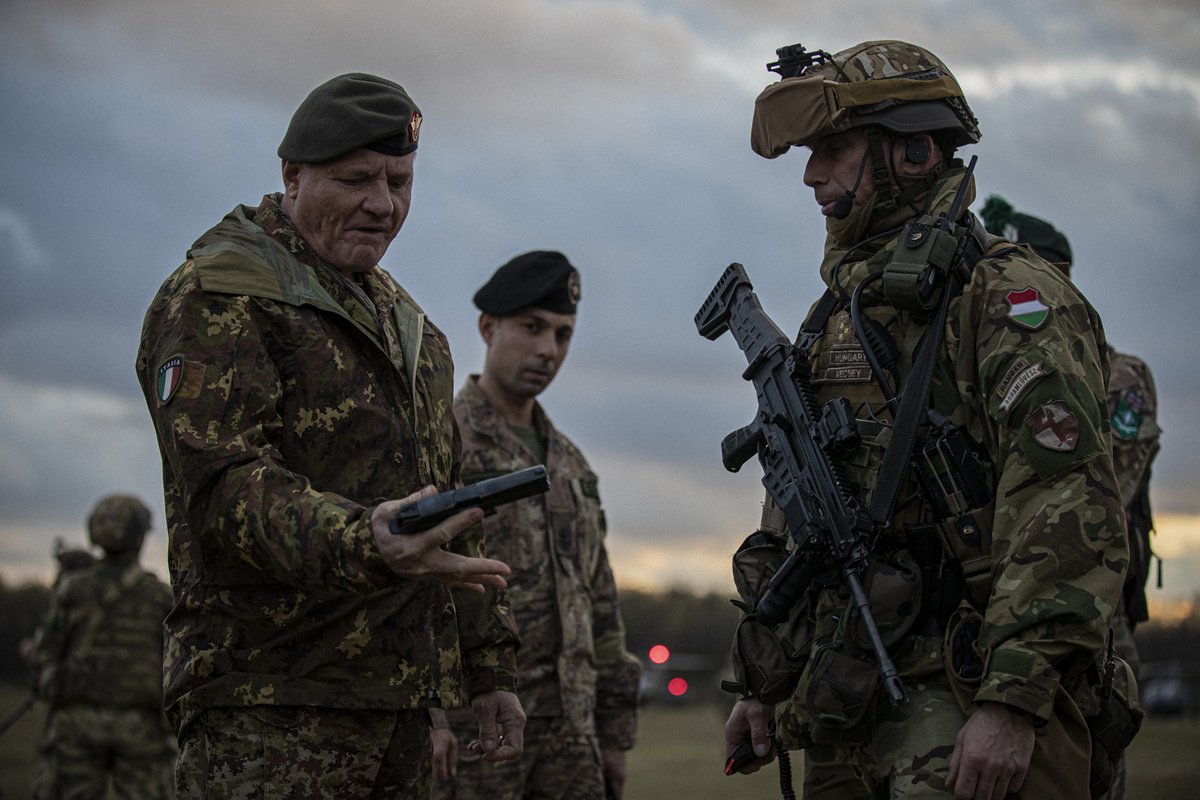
(893, 583)
(841, 692)
(767, 661)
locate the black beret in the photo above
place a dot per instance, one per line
(348, 112)
(1047, 241)
(540, 278)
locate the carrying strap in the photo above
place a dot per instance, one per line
(914, 400)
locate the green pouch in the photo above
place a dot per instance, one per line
(767, 661)
(841, 696)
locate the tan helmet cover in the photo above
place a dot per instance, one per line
(895, 85)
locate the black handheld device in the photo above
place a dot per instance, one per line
(486, 494)
(741, 756)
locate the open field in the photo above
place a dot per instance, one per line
(680, 755)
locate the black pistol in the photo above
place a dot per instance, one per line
(487, 494)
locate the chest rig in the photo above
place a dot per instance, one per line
(921, 478)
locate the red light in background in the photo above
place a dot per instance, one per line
(677, 687)
(659, 654)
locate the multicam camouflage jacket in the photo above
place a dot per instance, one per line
(1133, 412)
(1021, 372)
(289, 401)
(102, 640)
(572, 661)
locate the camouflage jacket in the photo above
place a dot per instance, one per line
(101, 643)
(572, 662)
(289, 401)
(1133, 412)
(1021, 371)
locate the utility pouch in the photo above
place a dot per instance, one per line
(913, 279)
(893, 585)
(1117, 719)
(841, 696)
(767, 661)
(765, 666)
(962, 655)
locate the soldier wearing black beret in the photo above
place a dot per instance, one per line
(579, 684)
(539, 278)
(322, 397)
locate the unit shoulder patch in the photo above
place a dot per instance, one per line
(1054, 427)
(1127, 416)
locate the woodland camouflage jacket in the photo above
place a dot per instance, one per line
(288, 402)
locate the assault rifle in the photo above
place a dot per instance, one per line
(795, 441)
(486, 494)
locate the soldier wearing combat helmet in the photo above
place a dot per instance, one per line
(300, 397)
(99, 659)
(993, 573)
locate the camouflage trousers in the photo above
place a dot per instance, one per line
(87, 746)
(907, 757)
(558, 763)
(297, 753)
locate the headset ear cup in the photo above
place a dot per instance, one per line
(916, 151)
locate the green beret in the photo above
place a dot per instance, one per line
(1002, 219)
(348, 112)
(540, 278)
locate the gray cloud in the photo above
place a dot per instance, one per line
(615, 131)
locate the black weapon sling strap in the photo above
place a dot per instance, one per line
(915, 396)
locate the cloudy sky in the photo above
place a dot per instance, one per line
(614, 130)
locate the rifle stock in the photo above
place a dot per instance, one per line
(794, 440)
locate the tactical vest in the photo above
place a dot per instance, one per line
(114, 657)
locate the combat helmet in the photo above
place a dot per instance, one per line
(118, 523)
(889, 85)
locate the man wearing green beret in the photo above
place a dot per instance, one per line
(579, 685)
(300, 396)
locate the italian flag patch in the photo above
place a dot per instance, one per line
(170, 375)
(1026, 309)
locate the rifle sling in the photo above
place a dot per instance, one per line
(908, 417)
(915, 399)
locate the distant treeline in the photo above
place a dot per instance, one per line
(687, 623)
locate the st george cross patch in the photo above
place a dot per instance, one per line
(1026, 309)
(1054, 427)
(178, 376)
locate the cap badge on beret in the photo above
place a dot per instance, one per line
(573, 286)
(414, 126)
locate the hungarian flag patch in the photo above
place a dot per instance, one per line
(1026, 309)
